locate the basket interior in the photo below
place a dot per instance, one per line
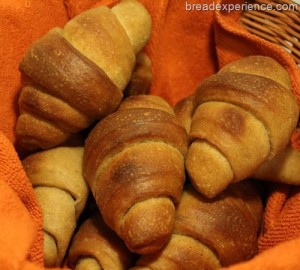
(277, 21)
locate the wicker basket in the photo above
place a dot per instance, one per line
(277, 21)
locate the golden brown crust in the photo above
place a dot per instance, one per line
(78, 73)
(139, 168)
(233, 229)
(148, 224)
(208, 169)
(265, 99)
(136, 21)
(62, 73)
(58, 67)
(215, 120)
(36, 102)
(58, 221)
(87, 263)
(284, 168)
(181, 253)
(95, 244)
(128, 126)
(260, 65)
(131, 157)
(153, 102)
(184, 111)
(242, 119)
(88, 31)
(210, 233)
(143, 268)
(57, 179)
(141, 78)
(250, 193)
(33, 132)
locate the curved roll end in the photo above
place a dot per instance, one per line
(148, 225)
(208, 169)
(50, 251)
(284, 168)
(33, 133)
(88, 263)
(136, 21)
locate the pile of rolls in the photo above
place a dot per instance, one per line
(126, 181)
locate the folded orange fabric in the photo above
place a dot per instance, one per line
(21, 22)
(185, 47)
(283, 256)
(21, 218)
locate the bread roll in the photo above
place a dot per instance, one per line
(244, 116)
(57, 179)
(96, 247)
(211, 233)
(134, 164)
(77, 75)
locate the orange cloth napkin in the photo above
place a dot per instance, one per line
(185, 47)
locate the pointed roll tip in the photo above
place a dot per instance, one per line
(136, 20)
(89, 263)
(148, 225)
(208, 170)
